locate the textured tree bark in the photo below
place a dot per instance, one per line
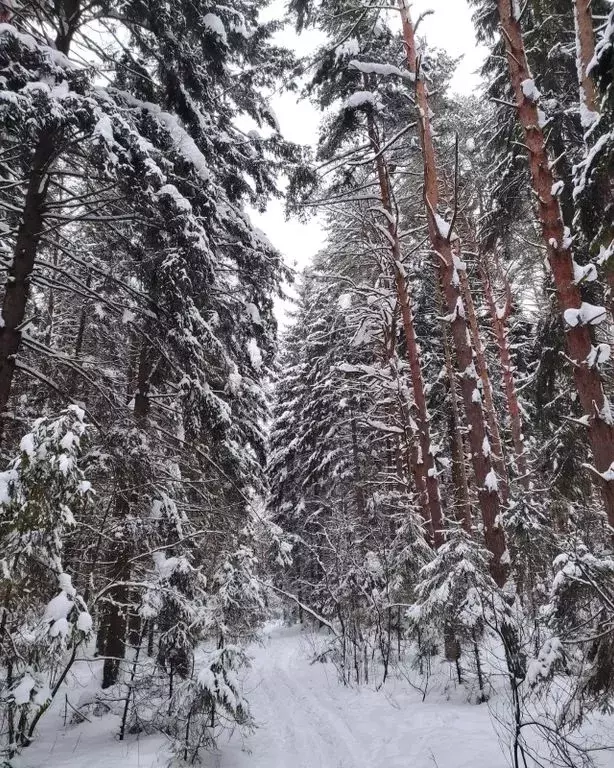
(425, 476)
(587, 379)
(585, 50)
(488, 496)
(487, 391)
(358, 489)
(79, 340)
(411, 454)
(405, 454)
(459, 468)
(499, 323)
(114, 620)
(142, 403)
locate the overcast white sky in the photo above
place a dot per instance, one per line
(449, 27)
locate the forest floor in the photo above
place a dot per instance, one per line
(306, 720)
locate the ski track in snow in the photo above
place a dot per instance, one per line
(305, 728)
(308, 720)
(305, 718)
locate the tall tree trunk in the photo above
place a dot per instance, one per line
(487, 492)
(426, 480)
(459, 467)
(142, 402)
(114, 615)
(587, 379)
(114, 623)
(585, 50)
(17, 287)
(358, 489)
(407, 451)
(487, 391)
(80, 338)
(499, 317)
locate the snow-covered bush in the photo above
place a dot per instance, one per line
(182, 677)
(456, 599)
(43, 619)
(580, 613)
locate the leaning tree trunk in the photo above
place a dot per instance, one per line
(481, 363)
(425, 475)
(487, 491)
(587, 378)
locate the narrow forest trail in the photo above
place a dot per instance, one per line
(306, 719)
(302, 723)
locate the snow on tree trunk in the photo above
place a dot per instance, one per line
(441, 236)
(589, 107)
(459, 467)
(499, 324)
(496, 445)
(558, 244)
(585, 50)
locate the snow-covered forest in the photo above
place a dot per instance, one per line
(382, 536)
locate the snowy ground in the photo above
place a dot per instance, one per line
(307, 720)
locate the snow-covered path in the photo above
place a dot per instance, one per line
(306, 720)
(302, 724)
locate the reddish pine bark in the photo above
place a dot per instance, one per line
(487, 392)
(585, 50)
(423, 465)
(587, 380)
(488, 498)
(499, 323)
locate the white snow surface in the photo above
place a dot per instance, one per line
(58, 607)
(306, 720)
(588, 314)
(530, 90)
(444, 228)
(361, 97)
(372, 67)
(170, 190)
(213, 22)
(23, 690)
(490, 482)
